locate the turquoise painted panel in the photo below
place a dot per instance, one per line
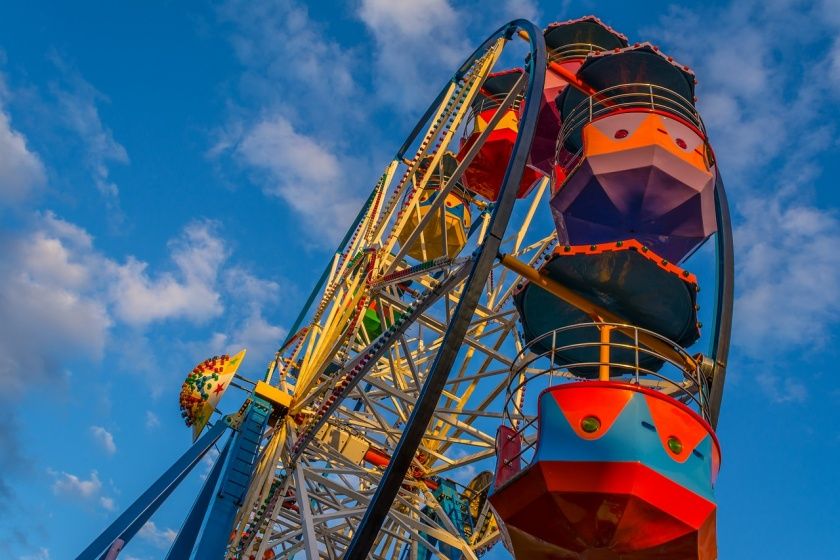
(631, 438)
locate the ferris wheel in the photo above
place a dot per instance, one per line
(500, 269)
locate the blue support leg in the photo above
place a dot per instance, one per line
(235, 479)
(133, 518)
(185, 541)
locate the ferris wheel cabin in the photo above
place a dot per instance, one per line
(568, 44)
(623, 278)
(619, 471)
(446, 224)
(607, 451)
(633, 159)
(484, 175)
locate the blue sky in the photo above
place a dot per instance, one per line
(172, 179)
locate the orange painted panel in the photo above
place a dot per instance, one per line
(605, 404)
(671, 421)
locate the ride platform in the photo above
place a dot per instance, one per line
(625, 278)
(619, 472)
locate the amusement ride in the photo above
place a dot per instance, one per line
(469, 373)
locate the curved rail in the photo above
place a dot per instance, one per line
(630, 96)
(725, 289)
(421, 414)
(685, 382)
(573, 51)
(534, 372)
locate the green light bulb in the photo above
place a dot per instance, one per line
(590, 424)
(675, 445)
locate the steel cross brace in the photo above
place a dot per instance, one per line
(386, 491)
(138, 513)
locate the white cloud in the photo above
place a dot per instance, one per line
(78, 107)
(255, 333)
(304, 173)
(190, 293)
(208, 461)
(414, 20)
(41, 554)
(246, 327)
(754, 98)
(152, 420)
(287, 54)
(72, 486)
(314, 111)
(783, 390)
(834, 63)
(521, 9)
(21, 170)
(772, 125)
(418, 45)
(788, 275)
(246, 288)
(161, 538)
(61, 297)
(90, 490)
(104, 438)
(49, 302)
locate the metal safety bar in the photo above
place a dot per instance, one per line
(648, 97)
(483, 104)
(536, 367)
(573, 51)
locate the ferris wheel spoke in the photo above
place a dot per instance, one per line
(325, 493)
(379, 334)
(463, 461)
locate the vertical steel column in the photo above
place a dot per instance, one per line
(421, 414)
(236, 476)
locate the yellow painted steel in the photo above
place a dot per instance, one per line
(333, 334)
(604, 353)
(444, 429)
(463, 103)
(346, 285)
(272, 394)
(438, 239)
(324, 337)
(336, 323)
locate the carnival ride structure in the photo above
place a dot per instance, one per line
(456, 329)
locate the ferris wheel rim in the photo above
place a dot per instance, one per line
(501, 36)
(386, 492)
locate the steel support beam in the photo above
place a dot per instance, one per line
(310, 541)
(236, 475)
(317, 289)
(386, 491)
(135, 516)
(185, 541)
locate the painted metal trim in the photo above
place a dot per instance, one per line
(368, 529)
